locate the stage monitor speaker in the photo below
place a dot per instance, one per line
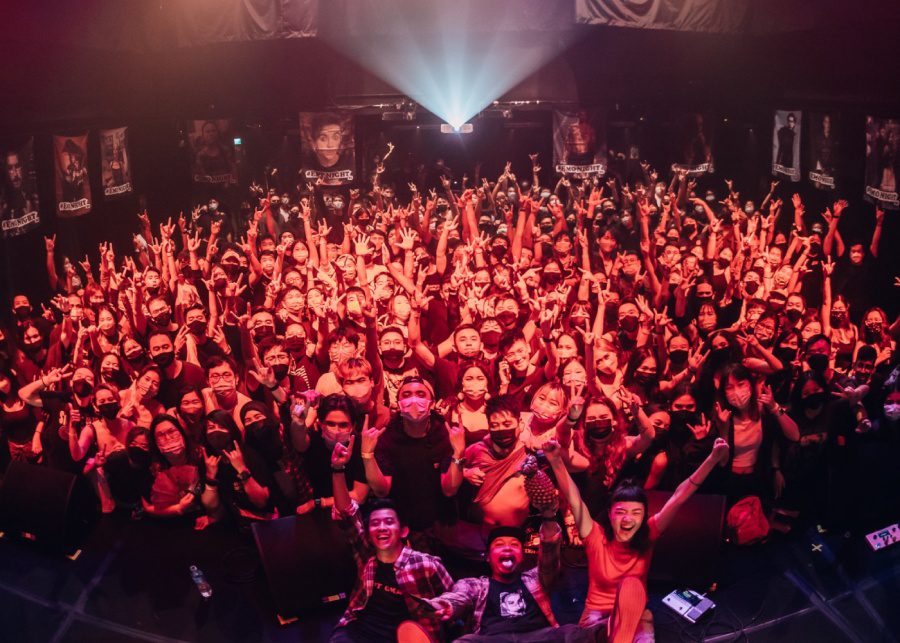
(688, 552)
(52, 506)
(307, 560)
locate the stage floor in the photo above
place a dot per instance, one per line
(131, 583)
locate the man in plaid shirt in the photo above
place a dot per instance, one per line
(387, 604)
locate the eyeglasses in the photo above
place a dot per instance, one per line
(221, 377)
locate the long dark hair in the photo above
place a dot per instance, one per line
(628, 491)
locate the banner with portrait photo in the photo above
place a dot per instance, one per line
(19, 206)
(327, 148)
(73, 187)
(882, 162)
(786, 144)
(823, 143)
(579, 143)
(692, 144)
(115, 165)
(213, 159)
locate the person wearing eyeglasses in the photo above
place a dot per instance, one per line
(223, 393)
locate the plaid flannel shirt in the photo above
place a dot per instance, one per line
(418, 574)
(472, 593)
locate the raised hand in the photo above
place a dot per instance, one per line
(702, 428)
(369, 436)
(340, 456)
(720, 451)
(766, 398)
(212, 464)
(50, 244)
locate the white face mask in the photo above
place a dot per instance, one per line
(739, 398)
(892, 411)
(414, 409)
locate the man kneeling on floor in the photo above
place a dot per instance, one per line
(387, 603)
(513, 604)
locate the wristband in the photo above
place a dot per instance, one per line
(272, 388)
(367, 455)
(243, 476)
(211, 482)
(338, 469)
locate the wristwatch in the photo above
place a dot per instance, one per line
(459, 461)
(243, 476)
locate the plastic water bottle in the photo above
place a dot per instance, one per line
(200, 581)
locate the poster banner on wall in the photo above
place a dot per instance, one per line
(327, 148)
(213, 160)
(19, 207)
(579, 143)
(693, 145)
(882, 162)
(73, 189)
(823, 142)
(786, 144)
(115, 165)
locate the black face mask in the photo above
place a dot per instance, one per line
(552, 278)
(219, 441)
(785, 355)
(280, 371)
(598, 430)
(392, 355)
(793, 315)
(442, 208)
(109, 410)
(82, 388)
(872, 333)
(22, 312)
(504, 439)
(818, 363)
(162, 319)
(32, 349)
(506, 318)
(837, 319)
(263, 332)
(139, 458)
(681, 419)
(751, 287)
(134, 358)
(258, 428)
(814, 401)
(295, 345)
(678, 356)
(719, 356)
(164, 360)
(642, 377)
(629, 323)
(197, 328)
(499, 251)
(490, 337)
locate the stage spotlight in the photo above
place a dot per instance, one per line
(444, 56)
(462, 128)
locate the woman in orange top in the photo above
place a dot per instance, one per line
(619, 549)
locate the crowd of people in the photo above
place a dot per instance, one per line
(465, 370)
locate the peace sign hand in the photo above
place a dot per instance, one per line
(576, 402)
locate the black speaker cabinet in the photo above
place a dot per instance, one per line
(55, 507)
(307, 560)
(688, 551)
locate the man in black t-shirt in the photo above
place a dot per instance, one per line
(176, 373)
(512, 604)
